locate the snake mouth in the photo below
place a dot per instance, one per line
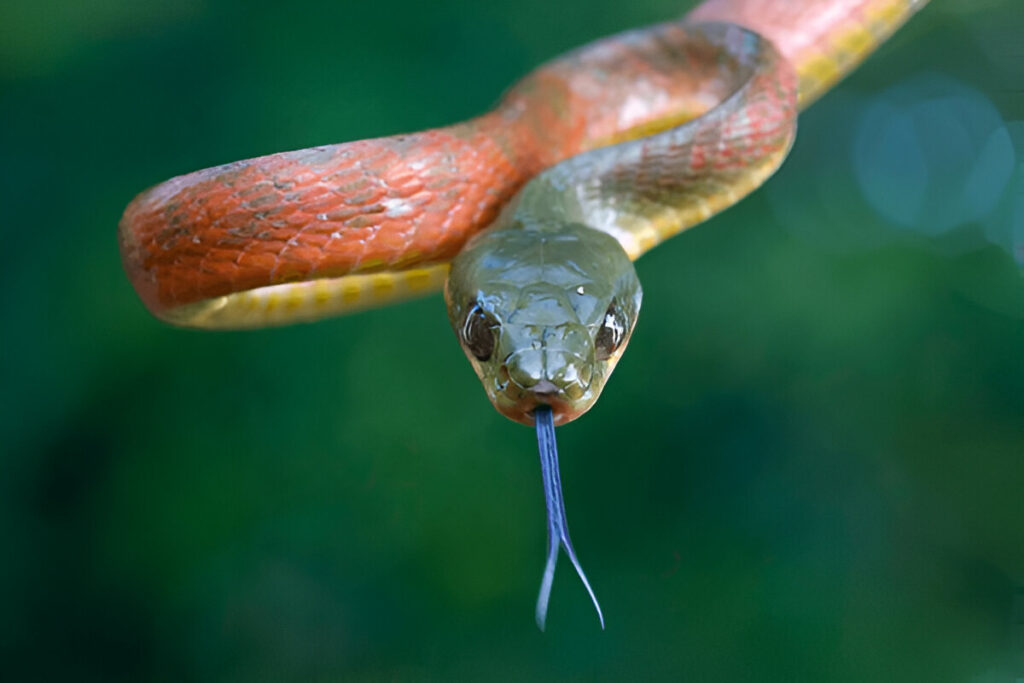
(520, 404)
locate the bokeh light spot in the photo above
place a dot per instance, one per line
(932, 154)
(1005, 225)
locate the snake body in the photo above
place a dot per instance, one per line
(529, 216)
(317, 232)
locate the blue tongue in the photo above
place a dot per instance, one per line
(558, 529)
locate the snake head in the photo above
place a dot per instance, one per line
(543, 314)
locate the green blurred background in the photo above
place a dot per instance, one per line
(809, 465)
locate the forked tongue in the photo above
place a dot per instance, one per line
(558, 529)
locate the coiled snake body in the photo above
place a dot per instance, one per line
(529, 216)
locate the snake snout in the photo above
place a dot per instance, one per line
(533, 377)
(548, 373)
(544, 387)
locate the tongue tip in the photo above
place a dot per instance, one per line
(558, 528)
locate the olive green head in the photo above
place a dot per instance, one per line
(543, 314)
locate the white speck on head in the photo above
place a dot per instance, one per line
(579, 290)
(396, 207)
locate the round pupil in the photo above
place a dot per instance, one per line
(478, 334)
(610, 335)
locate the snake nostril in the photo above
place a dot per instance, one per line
(525, 369)
(575, 391)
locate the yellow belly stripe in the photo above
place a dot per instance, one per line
(307, 301)
(850, 45)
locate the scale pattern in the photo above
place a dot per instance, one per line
(646, 190)
(823, 39)
(316, 232)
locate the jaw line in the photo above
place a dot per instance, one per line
(522, 408)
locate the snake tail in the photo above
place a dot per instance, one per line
(558, 528)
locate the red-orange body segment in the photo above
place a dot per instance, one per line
(320, 212)
(393, 203)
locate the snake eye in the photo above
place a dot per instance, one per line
(478, 333)
(611, 334)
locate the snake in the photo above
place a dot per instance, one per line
(529, 216)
